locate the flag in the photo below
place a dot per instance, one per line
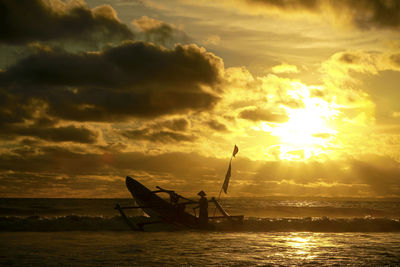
(228, 173)
(235, 150)
(227, 176)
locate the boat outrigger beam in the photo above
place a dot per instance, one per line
(127, 208)
(130, 223)
(225, 214)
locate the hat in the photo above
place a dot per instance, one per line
(201, 193)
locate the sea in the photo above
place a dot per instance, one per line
(275, 232)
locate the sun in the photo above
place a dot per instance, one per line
(309, 130)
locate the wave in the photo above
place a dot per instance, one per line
(323, 224)
(61, 223)
(90, 223)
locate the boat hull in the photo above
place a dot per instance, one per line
(158, 208)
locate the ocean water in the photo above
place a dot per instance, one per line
(275, 232)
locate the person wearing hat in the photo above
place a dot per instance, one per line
(203, 209)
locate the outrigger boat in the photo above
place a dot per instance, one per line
(161, 211)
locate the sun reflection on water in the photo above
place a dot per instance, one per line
(302, 245)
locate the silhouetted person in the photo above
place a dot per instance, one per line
(203, 211)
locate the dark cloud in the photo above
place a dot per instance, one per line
(364, 14)
(13, 109)
(29, 142)
(38, 20)
(216, 125)
(25, 118)
(51, 160)
(172, 124)
(262, 115)
(168, 131)
(158, 136)
(131, 80)
(106, 105)
(160, 32)
(176, 124)
(395, 58)
(349, 58)
(298, 5)
(374, 13)
(55, 134)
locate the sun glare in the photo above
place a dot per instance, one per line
(309, 130)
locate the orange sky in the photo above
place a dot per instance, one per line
(94, 91)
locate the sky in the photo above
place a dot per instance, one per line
(94, 91)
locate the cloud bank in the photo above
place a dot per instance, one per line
(39, 20)
(134, 79)
(365, 177)
(363, 14)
